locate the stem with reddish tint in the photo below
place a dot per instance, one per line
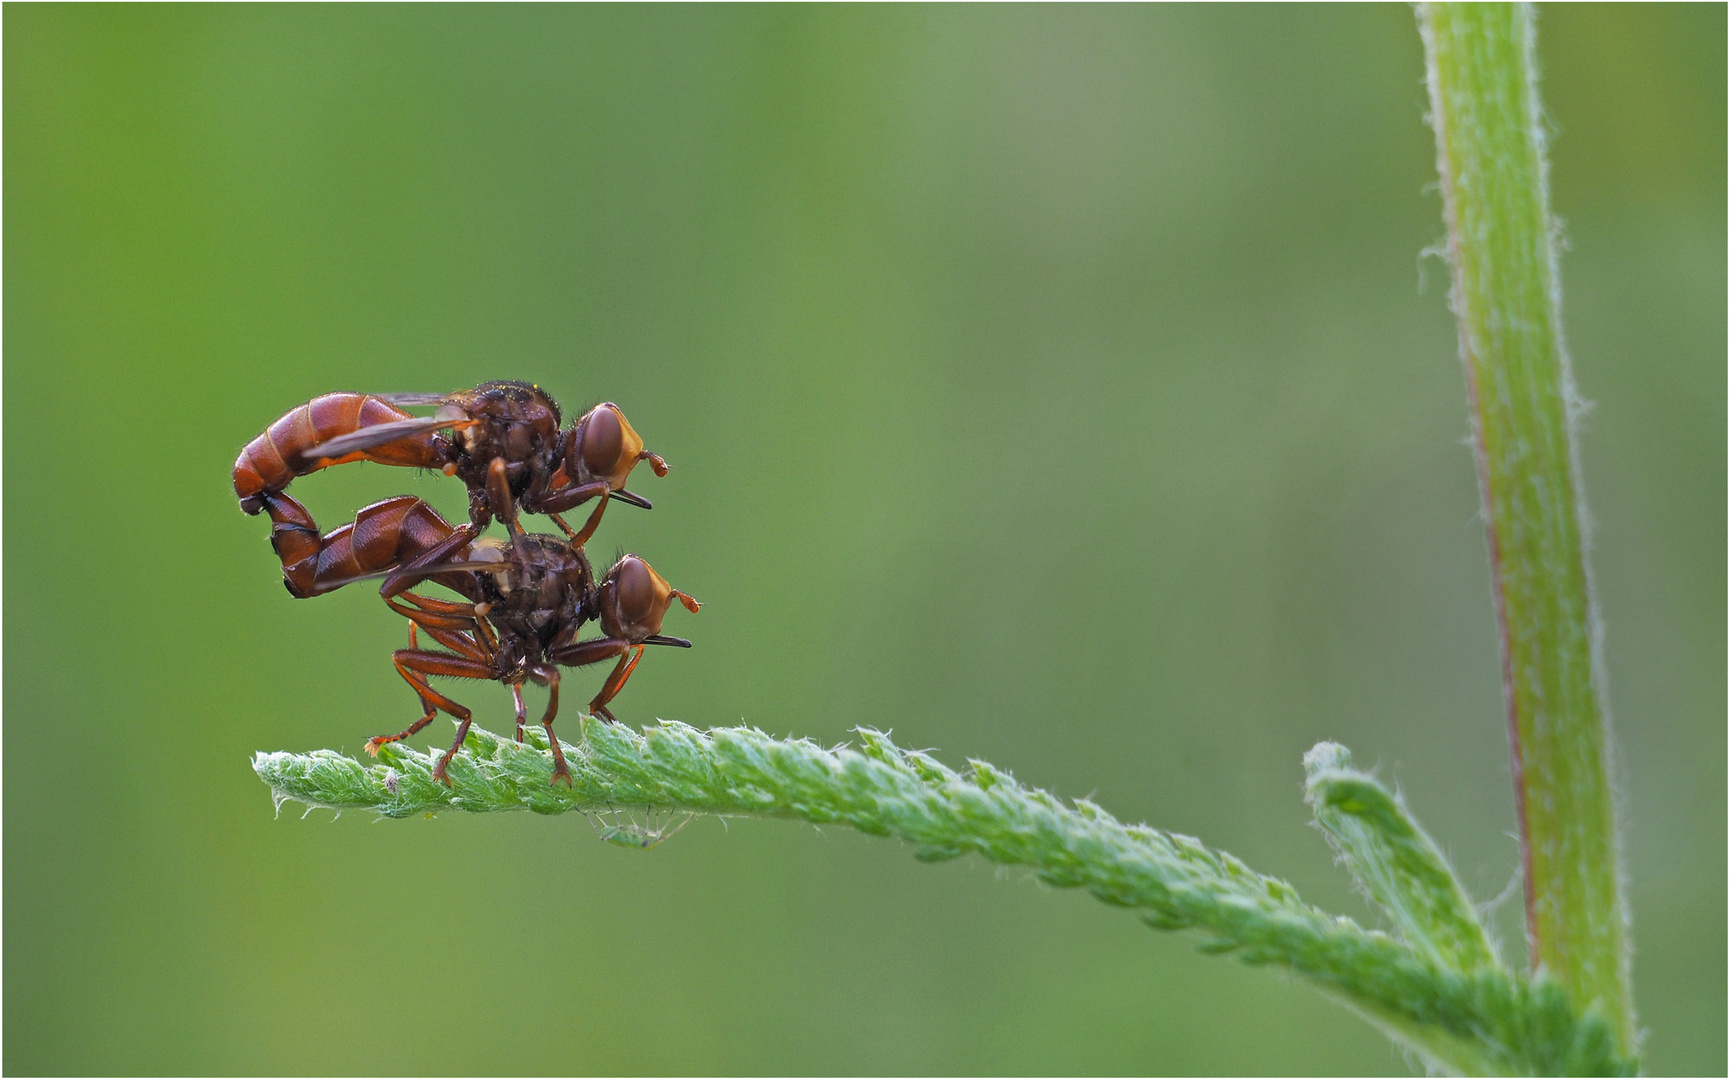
(1507, 300)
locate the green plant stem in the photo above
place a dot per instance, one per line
(1506, 297)
(1478, 1020)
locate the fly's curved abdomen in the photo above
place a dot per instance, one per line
(382, 537)
(290, 447)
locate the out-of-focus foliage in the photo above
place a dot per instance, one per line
(1021, 369)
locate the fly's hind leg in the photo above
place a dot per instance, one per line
(461, 628)
(561, 771)
(414, 665)
(427, 707)
(377, 741)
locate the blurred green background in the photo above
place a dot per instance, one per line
(1061, 387)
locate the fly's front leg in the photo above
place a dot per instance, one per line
(499, 498)
(615, 682)
(522, 711)
(594, 522)
(593, 651)
(566, 498)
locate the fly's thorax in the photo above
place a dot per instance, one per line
(512, 400)
(555, 565)
(517, 423)
(542, 590)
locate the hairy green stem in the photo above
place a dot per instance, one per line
(1506, 297)
(1471, 1017)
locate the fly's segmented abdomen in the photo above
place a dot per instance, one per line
(382, 536)
(271, 461)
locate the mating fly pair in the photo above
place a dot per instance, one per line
(526, 598)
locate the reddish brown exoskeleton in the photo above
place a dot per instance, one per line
(502, 439)
(526, 602)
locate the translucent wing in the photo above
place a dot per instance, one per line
(377, 435)
(491, 566)
(413, 399)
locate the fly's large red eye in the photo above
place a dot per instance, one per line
(634, 585)
(603, 442)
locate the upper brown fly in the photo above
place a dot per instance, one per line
(502, 439)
